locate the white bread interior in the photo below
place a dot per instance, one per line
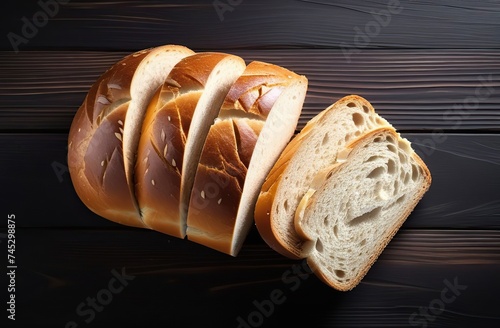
(313, 149)
(354, 207)
(149, 76)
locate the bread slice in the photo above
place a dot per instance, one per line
(354, 207)
(109, 114)
(173, 134)
(150, 75)
(313, 149)
(256, 121)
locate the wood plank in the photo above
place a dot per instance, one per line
(465, 192)
(415, 89)
(183, 284)
(121, 25)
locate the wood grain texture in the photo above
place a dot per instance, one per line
(119, 25)
(414, 89)
(38, 188)
(172, 277)
(431, 68)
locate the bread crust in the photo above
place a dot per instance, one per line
(160, 159)
(107, 197)
(258, 88)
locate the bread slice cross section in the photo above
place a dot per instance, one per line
(256, 121)
(176, 124)
(103, 134)
(313, 149)
(354, 207)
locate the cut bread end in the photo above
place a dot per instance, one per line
(355, 207)
(313, 149)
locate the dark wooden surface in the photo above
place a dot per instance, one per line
(432, 69)
(414, 89)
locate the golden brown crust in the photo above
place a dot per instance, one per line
(212, 207)
(113, 85)
(97, 170)
(192, 73)
(219, 183)
(258, 88)
(160, 158)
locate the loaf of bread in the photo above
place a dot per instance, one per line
(340, 191)
(202, 145)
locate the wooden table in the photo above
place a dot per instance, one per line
(432, 68)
